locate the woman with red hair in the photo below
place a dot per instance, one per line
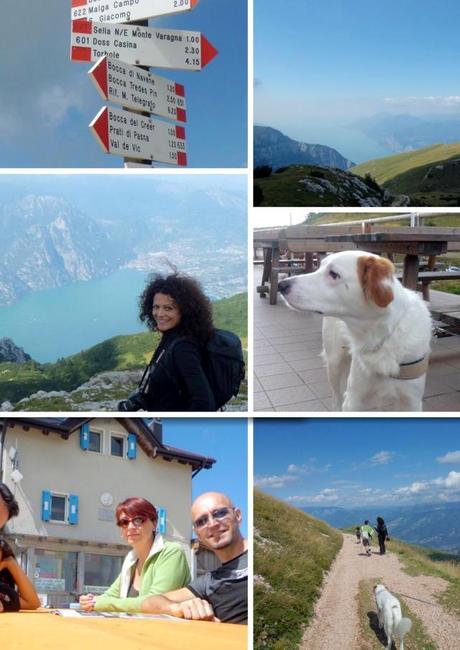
(153, 566)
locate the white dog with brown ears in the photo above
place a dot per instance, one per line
(390, 618)
(376, 337)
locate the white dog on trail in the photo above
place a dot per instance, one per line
(377, 333)
(390, 617)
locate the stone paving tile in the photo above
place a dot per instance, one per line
(313, 376)
(261, 401)
(292, 395)
(256, 385)
(321, 389)
(272, 369)
(315, 406)
(264, 359)
(302, 364)
(297, 355)
(445, 402)
(436, 386)
(453, 381)
(264, 347)
(281, 381)
(440, 369)
(290, 347)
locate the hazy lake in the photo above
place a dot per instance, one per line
(58, 322)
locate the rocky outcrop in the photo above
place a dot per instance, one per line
(11, 352)
(273, 148)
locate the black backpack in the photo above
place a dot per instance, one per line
(223, 363)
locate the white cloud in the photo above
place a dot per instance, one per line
(55, 103)
(381, 458)
(308, 468)
(273, 481)
(447, 488)
(450, 457)
(428, 103)
(328, 495)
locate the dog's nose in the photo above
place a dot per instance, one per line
(284, 287)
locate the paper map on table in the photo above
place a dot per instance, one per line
(74, 613)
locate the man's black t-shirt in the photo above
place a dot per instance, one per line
(226, 588)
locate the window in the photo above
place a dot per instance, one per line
(55, 571)
(58, 507)
(100, 571)
(95, 441)
(117, 446)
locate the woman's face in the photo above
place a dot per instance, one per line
(135, 530)
(165, 312)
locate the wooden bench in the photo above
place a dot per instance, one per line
(426, 277)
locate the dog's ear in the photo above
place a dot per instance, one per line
(374, 274)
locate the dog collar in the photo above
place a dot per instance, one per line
(413, 369)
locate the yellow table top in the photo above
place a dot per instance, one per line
(41, 630)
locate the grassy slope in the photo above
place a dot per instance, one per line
(384, 169)
(291, 552)
(117, 353)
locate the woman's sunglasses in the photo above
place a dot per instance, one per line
(136, 521)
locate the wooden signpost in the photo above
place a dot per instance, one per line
(103, 31)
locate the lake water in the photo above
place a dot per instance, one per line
(59, 322)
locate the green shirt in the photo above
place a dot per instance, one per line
(165, 569)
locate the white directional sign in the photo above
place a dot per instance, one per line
(131, 135)
(125, 11)
(136, 88)
(150, 46)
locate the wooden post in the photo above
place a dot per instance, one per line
(140, 23)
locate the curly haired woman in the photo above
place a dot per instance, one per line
(177, 308)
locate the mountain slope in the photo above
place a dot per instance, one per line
(432, 525)
(307, 185)
(120, 355)
(387, 168)
(271, 147)
(292, 551)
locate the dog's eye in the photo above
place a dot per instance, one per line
(334, 275)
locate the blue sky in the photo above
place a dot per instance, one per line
(48, 101)
(223, 439)
(337, 61)
(355, 462)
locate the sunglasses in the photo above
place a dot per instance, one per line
(136, 521)
(217, 514)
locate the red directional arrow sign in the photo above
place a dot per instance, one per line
(149, 46)
(138, 89)
(132, 135)
(125, 11)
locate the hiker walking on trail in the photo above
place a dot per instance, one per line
(367, 531)
(358, 535)
(382, 533)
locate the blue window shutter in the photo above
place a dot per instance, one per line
(132, 446)
(84, 436)
(161, 526)
(73, 509)
(46, 505)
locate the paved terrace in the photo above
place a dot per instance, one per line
(291, 376)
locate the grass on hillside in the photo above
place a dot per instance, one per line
(118, 353)
(292, 551)
(422, 561)
(388, 167)
(372, 637)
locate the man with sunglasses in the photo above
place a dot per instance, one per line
(219, 595)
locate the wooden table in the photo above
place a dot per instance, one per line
(412, 244)
(41, 630)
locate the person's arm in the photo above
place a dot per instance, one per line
(181, 603)
(28, 597)
(169, 571)
(88, 601)
(188, 361)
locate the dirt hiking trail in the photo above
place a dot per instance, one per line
(336, 623)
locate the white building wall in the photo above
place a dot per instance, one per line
(47, 462)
